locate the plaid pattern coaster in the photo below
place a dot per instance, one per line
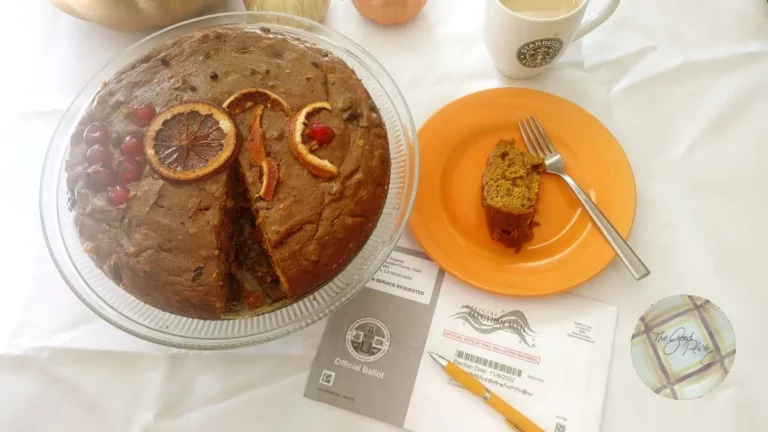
(683, 347)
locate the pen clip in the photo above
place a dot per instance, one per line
(512, 425)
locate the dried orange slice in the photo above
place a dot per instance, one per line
(295, 129)
(190, 141)
(247, 98)
(257, 154)
(269, 178)
(255, 142)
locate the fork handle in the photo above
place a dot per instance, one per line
(625, 253)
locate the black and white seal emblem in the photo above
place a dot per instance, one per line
(368, 339)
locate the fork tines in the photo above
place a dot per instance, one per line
(534, 136)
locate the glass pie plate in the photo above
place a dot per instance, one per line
(124, 311)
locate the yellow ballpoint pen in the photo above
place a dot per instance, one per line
(513, 417)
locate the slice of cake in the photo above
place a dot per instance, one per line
(511, 193)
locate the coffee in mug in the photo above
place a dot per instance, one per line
(541, 8)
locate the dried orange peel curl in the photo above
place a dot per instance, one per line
(295, 130)
(245, 99)
(190, 141)
(257, 155)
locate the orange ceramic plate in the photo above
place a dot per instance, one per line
(567, 248)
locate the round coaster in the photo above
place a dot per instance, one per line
(683, 347)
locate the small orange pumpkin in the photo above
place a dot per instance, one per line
(389, 12)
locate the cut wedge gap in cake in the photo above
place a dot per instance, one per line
(255, 284)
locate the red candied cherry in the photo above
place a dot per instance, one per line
(133, 145)
(98, 155)
(128, 172)
(119, 195)
(143, 115)
(320, 133)
(97, 134)
(99, 179)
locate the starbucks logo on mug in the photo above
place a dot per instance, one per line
(540, 52)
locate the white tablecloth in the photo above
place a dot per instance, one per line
(683, 84)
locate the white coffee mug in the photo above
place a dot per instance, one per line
(522, 46)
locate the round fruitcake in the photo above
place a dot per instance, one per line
(228, 171)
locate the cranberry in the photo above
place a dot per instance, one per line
(119, 195)
(98, 156)
(133, 145)
(97, 134)
(143, 115)
(320, 133)
(100, 179)
(128, 172)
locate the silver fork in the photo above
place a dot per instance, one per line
(539, 143)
